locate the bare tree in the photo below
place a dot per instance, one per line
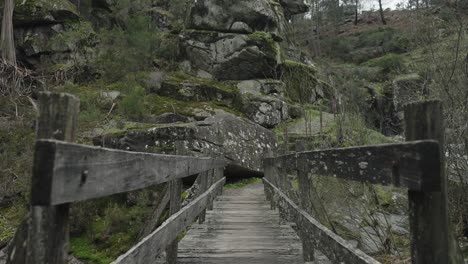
(382, 17)
(356, 10)
(7, 41)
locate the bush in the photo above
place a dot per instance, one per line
(385, 39)
(388, 63)
(126, 50)
(132, 105)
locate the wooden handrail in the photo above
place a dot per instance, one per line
(151, 246)
(414, 165)
(332, 245)
(65, 172)
(417, 165)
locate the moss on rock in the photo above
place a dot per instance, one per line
(44, 11)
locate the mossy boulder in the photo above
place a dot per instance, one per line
(187, 88)
(407, 88)
(293, 7)
(221, 15)
(240, 142)
(59, 45)
(43, 12)
(231, 56)
(302, 83)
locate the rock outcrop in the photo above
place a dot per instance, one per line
(238, 40)
(233, 56)
(48, 32)
(241, 41)
(240, 142)
(222, 16)
(407, 88)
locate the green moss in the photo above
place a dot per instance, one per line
(83, 249)
(242, 183)
(106, 228)
(10, 218)
(266, 43)
(301, 81)
(32, 11)
(178, 78)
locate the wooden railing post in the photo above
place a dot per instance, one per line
(219, 175)
(210, 181)
(270, 172)
(203, 187)
(305, 202)
(175, 192)
(428, 210)
(48, 231)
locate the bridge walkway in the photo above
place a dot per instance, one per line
(240, 229)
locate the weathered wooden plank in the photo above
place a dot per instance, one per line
(175, 204)
(332, 245)
(153, 221)
(175, 187)
(414, 165)
(203, 187)
(75, 172)
(48, 232)
(236, 234)
(431, 239)
(150, 247)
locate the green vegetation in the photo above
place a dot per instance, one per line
(178, 78)
(16, 153)
(242, 183)
(125, 50)
(106, 228)
(266, 42)
(388, 63)
(362, 46)
(300, 80)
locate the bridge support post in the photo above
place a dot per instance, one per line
(203, 187)
(175, 192)
(43, 236)
(430, 233)
(306, 204)
(210, 181)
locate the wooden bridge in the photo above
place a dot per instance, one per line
(247, 227)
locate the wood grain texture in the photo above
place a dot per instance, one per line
(175, 187)
(73, 172)
(151, 246)
(430, 234)
(332, 245)
(48, 232)
(153, 221)
(241, 229)
(203, 187)
(413, 165)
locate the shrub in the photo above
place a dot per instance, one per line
(388, 63)
(125, 50)
(300, 80)
(132, 105)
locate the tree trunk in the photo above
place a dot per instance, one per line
(356, 9)
(7, 41)
(382, 17)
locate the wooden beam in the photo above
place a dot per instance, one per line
(48, 230)
(73, 172)
(414, 165)
(329, 243)
(431, 241)
(175, 204)
(203, 187)
(151, 246)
